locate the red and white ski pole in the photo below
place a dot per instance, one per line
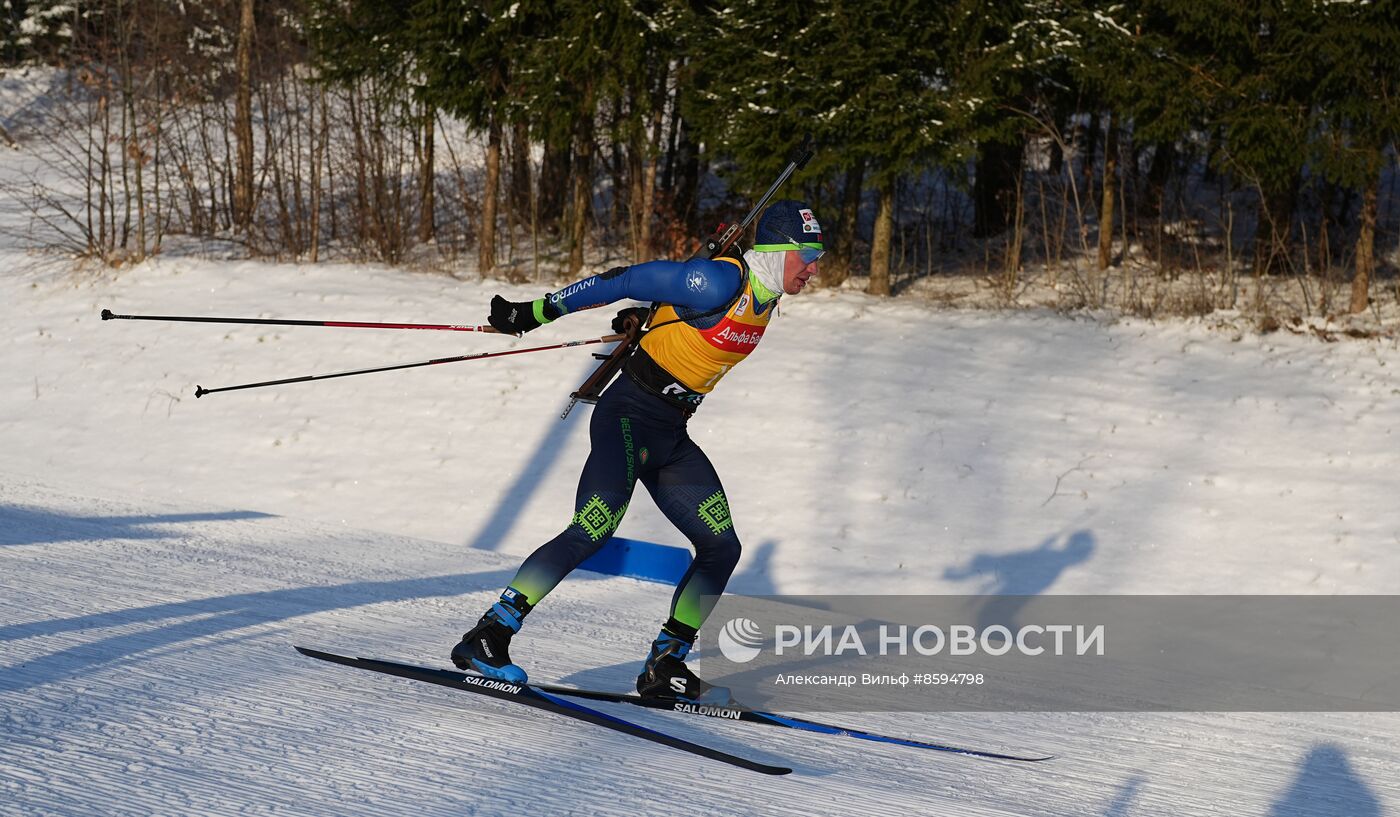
(107, 315)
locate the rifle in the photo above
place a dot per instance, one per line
(713, 247)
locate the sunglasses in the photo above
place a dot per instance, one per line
(808, 255)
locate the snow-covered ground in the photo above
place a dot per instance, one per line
(161, 554)
(148, 670)
(880, 442)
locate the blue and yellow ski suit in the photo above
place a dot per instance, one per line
(712, 315)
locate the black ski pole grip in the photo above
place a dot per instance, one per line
(107, 315)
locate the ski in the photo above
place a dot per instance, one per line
(741, 713)
(534, 697)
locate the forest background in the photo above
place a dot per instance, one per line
(1154, 157)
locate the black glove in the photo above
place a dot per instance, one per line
(519, 317)
(641, 313)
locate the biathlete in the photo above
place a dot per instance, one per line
(712, 316)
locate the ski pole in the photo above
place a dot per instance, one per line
(200, 391)
(107, 315)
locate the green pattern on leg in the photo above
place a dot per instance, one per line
(715, 512)
(597, 520)
(687, 609)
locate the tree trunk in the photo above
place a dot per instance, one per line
(243, 118)
(688, 183)
(554, 180)
(637, 212)
(427, 215)
(1365, 247)
(135, 154)
(1154, 202)
(486, 245)
(837, 267)
(520, 170)
(318, 154)
(1091, 151)
(994, 188)
(658, 118)
(124, 145)
(673, 127)
(582, 193)
(1110, 188)
(880, 244)
(1273, 236)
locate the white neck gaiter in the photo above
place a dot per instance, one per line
(767, 268)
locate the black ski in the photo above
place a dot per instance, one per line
(532, 696)
(740, 713)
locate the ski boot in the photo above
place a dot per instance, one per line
(666, 676)
(486, 647)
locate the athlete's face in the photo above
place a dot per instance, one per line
(796, 271)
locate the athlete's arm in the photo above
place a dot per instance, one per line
(698, 284)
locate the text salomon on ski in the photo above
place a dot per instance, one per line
(530, 696)
(740, 713)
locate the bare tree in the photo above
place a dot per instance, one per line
(427, 174)
(582, 186)
(1365, 247)
(1110, 187)
(244, 183)
(487, 241)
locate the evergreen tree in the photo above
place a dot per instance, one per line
(1354, 69)
(1239, 61)
(998, 50)
(594, 53)
(1103, 63)
(474, 57)
(866, 79)
(366, 47)
(364, 39)
(37, 30)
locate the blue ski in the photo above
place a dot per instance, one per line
(739, 713)
(539, 699)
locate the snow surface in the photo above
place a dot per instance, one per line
(874, 441)
(161, 554)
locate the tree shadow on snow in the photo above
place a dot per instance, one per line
(183, 622)
(22, 525)
(1326, 785)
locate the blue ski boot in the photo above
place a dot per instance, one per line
(666, 676)
(486, 647)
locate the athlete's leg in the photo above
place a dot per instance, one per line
(604, 491)
(687, 489)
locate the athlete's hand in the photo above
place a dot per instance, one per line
(515, 317)
(619, 323)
